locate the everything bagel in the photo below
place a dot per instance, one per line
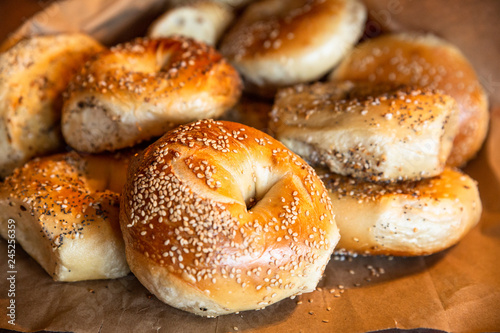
(65, 208)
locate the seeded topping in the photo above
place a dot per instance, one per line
(141, 89)
(410, 59)
(276, 26)
(403, 102)
(207, 200)
(427, 61)
(373, 132)
(155, 65)
(363, 191)
(33, 75)
(54, 192)
(408, 218)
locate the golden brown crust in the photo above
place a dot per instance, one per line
(65, 217)
(276, 43)
(406, 218)
(427, 61)
(139, 90)
(218, 217)
(33, 75)
(379, 132)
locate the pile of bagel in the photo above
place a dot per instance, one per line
(224, 157)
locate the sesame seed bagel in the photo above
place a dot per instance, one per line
(139, 90)
(277, 43)
(33, 75)
(406, 218)
(219, 217)
(426, 61)
(66, 210)
(372, 132)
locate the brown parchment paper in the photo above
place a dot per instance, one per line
(456, 290)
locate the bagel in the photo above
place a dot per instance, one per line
(204, 21)
(426, 61)
(278, 43)
(403, 219)
(65, 217)
(376, 133)
(219, 217)
(33, 74)
(139, 90)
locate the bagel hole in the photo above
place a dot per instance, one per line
(251, 203)
(163, 59)
(265, 183)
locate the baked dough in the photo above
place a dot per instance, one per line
(276, 43)
(426, 61)
(65, 216)
(403, 219)
(139, 90)
(219, 217)
(33, 75)
(202, 20)
(372, 132)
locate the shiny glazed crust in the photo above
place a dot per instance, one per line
(139, 90)
(219, 217)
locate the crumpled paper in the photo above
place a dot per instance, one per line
(456, 290)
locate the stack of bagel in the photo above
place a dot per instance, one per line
(223, 167)
(382, 155)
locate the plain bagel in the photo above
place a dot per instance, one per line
(403, 219)
(219, 217)
(203, 20)
(33, 75)
(277, 43)
(426, 61)
(65, 209)
(139, 90)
